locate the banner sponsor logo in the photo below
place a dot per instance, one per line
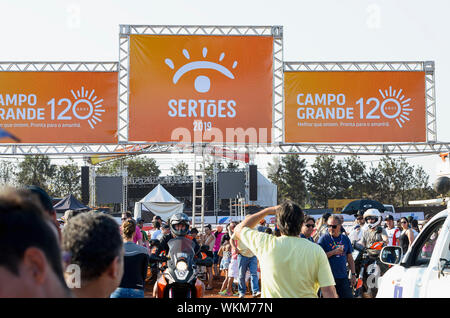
(355, 107)
(194, 88)
(59, 107)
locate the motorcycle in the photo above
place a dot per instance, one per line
(180, 278)
(369, 267)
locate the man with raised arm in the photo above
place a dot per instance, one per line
(290, 266)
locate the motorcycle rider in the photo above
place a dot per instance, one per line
(179, 226)
(373, 233)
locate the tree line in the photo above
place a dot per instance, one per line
(61, 180)
(391, 181)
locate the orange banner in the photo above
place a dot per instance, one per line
(59, 107)
(355, 107)
(216, 87)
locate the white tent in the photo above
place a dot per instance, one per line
(267, 192)
(159, 202)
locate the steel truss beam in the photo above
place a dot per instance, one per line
(414, 66)
(59, 66)
(217, 30)
(302, 149)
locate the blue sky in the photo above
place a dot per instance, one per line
(321, 30)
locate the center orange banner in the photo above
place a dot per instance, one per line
(203, 86)
(59, 107)
(355, 107)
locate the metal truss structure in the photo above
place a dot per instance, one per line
(58, 66)
(278, 147)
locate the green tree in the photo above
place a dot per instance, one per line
(323, 179)
(274, 171)
(342, 177)
(209, 169)
(7, 172)
(290, 176)
(355, 177)
(373, 184)
(181, 169)
(137, 167)
(67, 180)
(398, 178)
(36, 170)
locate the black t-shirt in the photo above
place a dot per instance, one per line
(135, 266)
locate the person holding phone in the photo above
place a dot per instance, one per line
(339, 252)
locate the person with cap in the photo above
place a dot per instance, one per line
(165, 229)
(358, 228)
(392, 231)
(47, 204)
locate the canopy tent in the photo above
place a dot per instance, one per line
(267, 192)
(159, 202)
(69, 202)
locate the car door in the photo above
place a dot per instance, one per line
(436, 280)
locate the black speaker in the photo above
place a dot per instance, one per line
(85, 185)
(253, 180)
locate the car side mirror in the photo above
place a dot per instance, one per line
(391, 255)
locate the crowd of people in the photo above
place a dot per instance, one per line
(92, 256)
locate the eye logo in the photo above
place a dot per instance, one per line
(202, 84)
(395, 106)
(89, 107)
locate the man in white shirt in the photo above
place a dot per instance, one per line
(357, 230)
(392, 231)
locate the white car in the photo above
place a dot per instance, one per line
(424, 271)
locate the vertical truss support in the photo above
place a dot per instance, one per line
(123, 116)
(216, 192)
(124, 170)
(198, 187)
(92, 198)
(278, 86)
(430, 97)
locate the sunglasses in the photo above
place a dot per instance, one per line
(403, 222)
(309, 225)
(333, 226)
(370, 218)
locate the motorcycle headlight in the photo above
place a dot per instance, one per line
(182, 266)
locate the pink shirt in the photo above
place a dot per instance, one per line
(138, 235)
(218, 241)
